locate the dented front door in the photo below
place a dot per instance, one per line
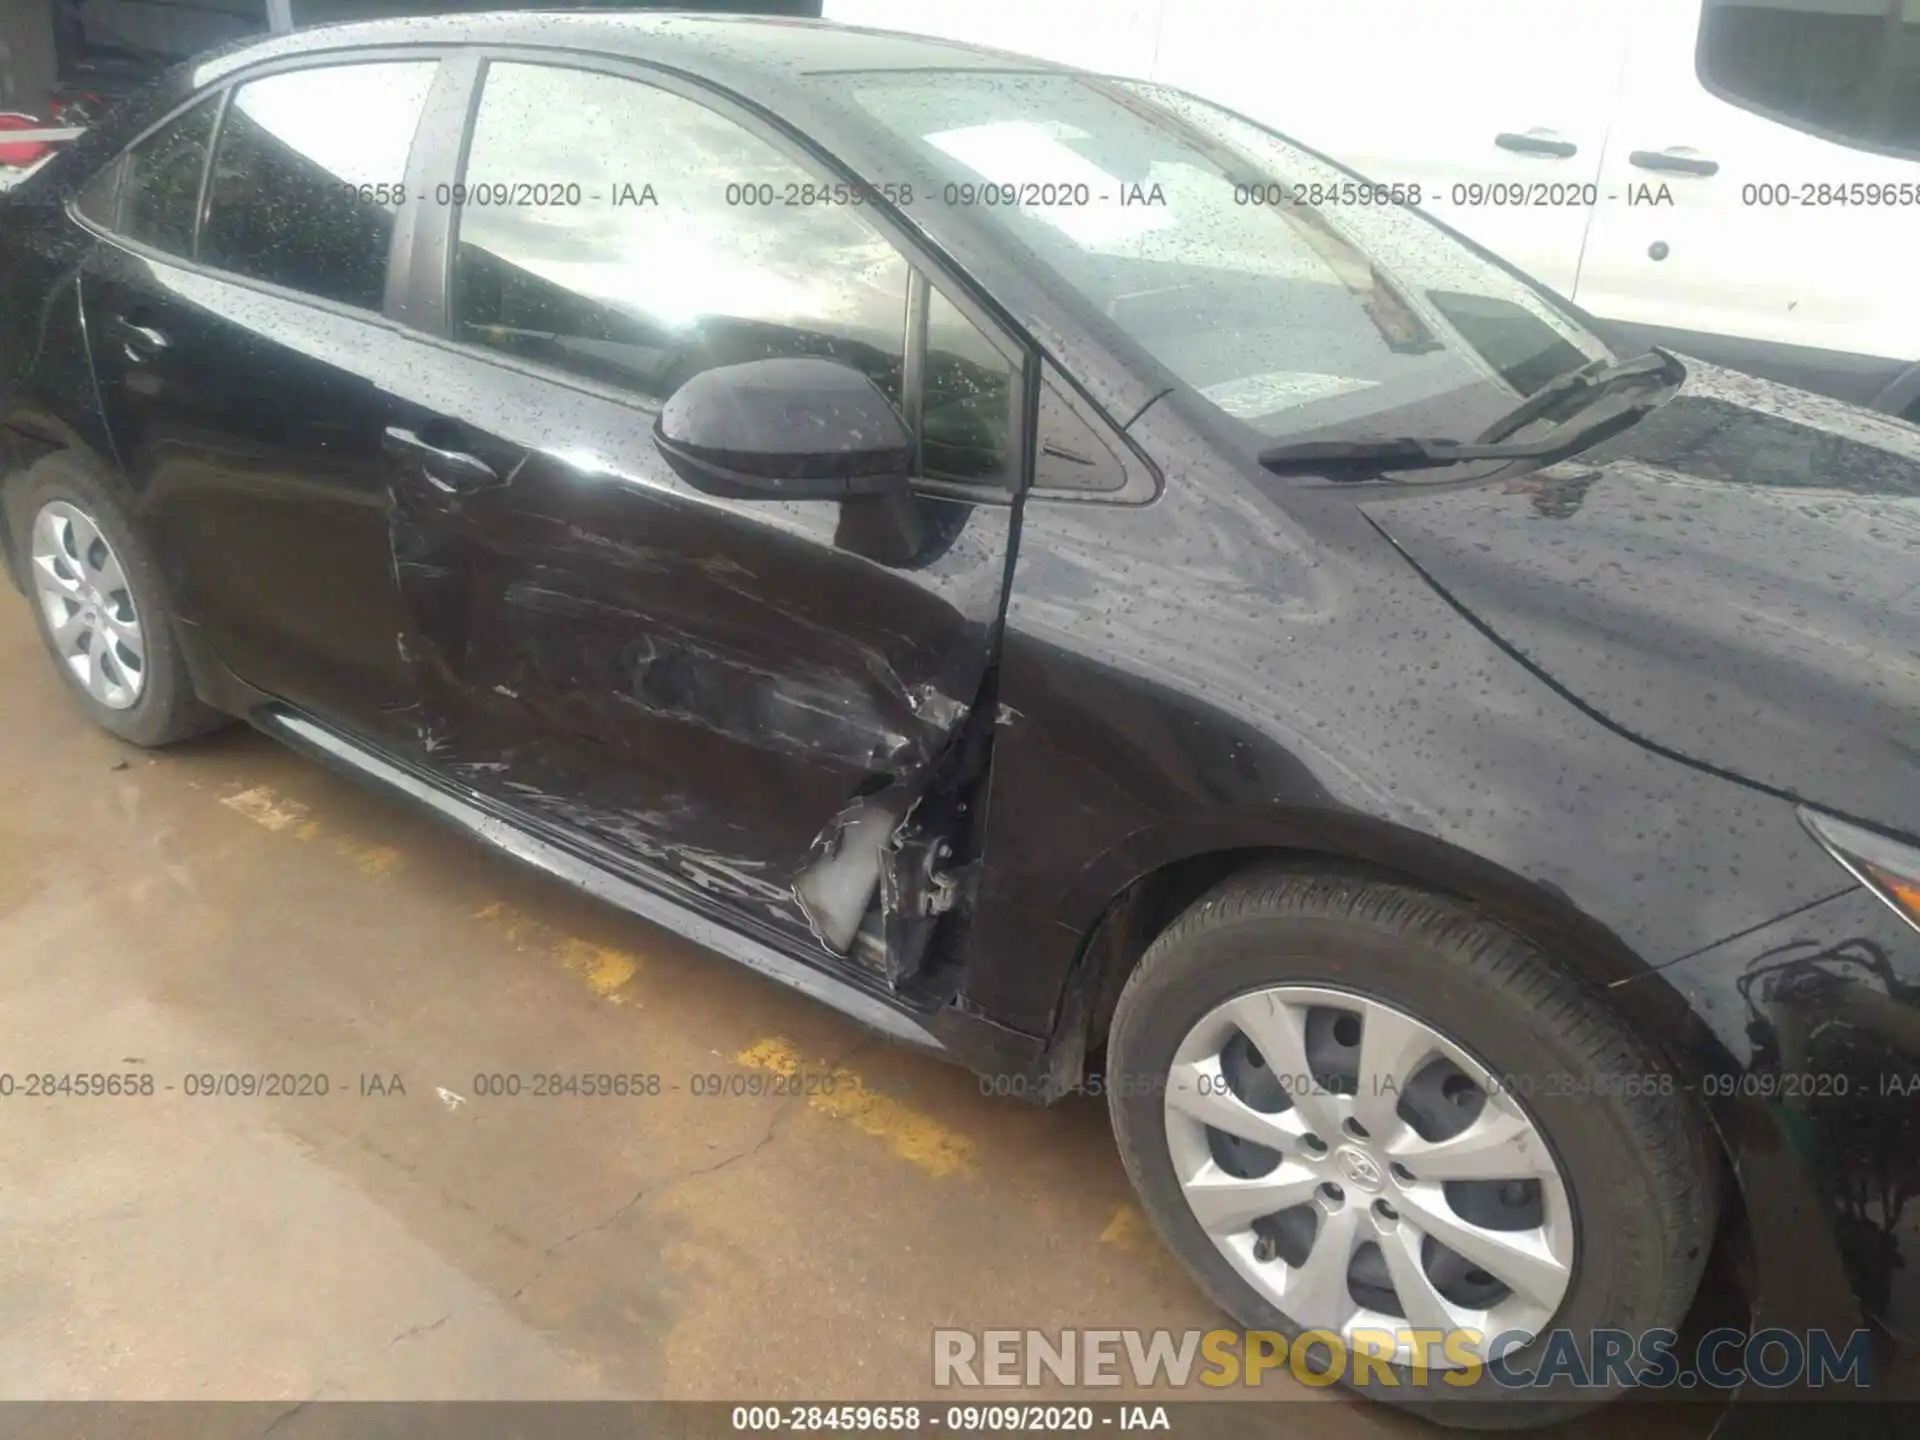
(747, 696)
(711, 687)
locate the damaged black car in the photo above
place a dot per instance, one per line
(1059, 572)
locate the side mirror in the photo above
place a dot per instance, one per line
(786, 429)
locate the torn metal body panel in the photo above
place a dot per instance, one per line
(837, 889)
(895, 865)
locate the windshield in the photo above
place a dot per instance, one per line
(1289, 295)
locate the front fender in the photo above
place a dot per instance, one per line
(1104, 777)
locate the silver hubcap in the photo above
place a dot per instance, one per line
(1363, 1172)
(88, 605)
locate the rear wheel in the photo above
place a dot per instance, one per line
(1355, 1108)
(100, 603)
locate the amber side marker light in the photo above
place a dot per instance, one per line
(1888, 868)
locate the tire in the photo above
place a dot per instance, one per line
(1636, 1177)
(158, 707)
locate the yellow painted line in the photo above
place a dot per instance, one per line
(605, 969)
(504, 917)
(918, 1139)
(374, 860)
(1128, 1230)
(271, 812)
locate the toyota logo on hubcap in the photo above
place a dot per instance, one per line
(1359, 1167)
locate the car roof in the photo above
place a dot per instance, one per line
(732, 50)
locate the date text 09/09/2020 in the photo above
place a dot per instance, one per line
(1786, 1087)
(731, 1084)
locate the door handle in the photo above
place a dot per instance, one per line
(1667, 160)
(1535, 144)
(140, 341)
(449, 470)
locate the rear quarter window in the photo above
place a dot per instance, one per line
(159, 181)
(308, 177)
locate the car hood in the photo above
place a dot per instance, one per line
(1735, 581)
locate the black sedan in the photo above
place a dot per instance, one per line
(1071, 578)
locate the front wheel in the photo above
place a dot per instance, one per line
(1354, 1108)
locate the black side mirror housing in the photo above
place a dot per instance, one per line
(794, 428)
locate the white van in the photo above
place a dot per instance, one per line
(1739, 179)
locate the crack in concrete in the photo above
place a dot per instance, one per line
(649, 1190)
(414, 1330)
(333, 1377)
(289, 1413)
(667, 1182)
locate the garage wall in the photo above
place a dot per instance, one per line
(26, 55)
(167, 28)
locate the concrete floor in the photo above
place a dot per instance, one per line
(229, 907)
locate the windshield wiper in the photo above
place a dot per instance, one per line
(1594, 420)
(1656, 367)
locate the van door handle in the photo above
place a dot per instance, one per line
(1535, 144)
(1667, 160)
(453, 471)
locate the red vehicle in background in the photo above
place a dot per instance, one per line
(80, 108)
(69, 112)
(26, 152)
